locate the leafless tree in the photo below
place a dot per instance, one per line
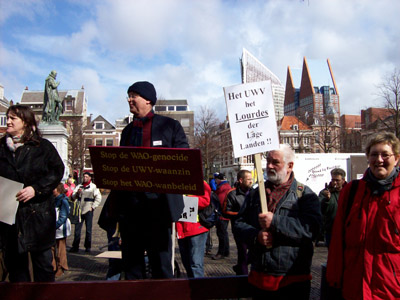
(206, 139)
(327, 134)
(76, 145)
(389, 91)
(301, 116)
(350, 140)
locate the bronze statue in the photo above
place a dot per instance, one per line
(52, 106)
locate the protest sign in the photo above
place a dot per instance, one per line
(156, 170)
(314, 169)
(189, 213)
(251, 115)
(8, 199)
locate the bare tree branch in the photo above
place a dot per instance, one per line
(206, 125)
(389, 91)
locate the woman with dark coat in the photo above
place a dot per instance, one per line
(28, 158)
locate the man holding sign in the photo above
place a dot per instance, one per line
(145, 218)
(280, 240)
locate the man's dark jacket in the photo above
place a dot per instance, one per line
(295, 224)
(232, 204)
(165, 133)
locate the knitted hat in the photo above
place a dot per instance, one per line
(221, 176)
(145, 89)
(87, 173)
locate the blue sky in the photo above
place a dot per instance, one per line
(191, 49)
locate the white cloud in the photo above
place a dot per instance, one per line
(191, 49)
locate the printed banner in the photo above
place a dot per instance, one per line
(252, 121)
(156, 170)
(190, 210)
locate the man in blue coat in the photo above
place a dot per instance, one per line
(145, 218)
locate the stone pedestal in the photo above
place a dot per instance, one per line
(57, 134)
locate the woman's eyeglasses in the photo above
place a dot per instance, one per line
(385, 156)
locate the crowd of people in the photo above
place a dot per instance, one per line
(359, 220)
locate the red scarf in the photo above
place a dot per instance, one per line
(85, 184)
(275, 192)
(141, 131)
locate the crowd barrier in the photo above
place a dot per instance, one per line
(174, 289)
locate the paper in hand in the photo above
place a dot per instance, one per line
(8, 200)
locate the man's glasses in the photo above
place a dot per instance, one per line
(385, 156)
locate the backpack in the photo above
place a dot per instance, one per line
(209, 215)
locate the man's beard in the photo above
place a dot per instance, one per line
(276, 177)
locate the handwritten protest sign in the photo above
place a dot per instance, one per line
(157, 170)
(251, 118)
(314, 169)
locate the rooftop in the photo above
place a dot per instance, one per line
(320, 73)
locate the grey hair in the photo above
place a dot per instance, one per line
(288, 153)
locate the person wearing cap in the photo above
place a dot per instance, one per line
(89, 197)
(145, 218)
(213, 183)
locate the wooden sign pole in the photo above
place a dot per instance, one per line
(260, 180)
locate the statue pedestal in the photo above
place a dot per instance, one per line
(57, 134)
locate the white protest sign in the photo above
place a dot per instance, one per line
(315, 170)
(189, 213)
(8, 200)
(251, 115)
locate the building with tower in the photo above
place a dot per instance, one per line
(312, 89)
(311, 95)
(253, 71)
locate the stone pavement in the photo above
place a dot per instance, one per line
(86, 267)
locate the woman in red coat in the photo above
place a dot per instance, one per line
(192, 240)
(364, 255)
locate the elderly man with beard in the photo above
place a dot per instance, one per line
(280, 241)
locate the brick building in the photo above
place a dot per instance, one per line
(350, 128)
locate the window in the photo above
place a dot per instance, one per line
(88, 163)
(160, 108)
(98, 125)
(109, 142)
(317, 137)
(171, 108)
(185, 122)
(3, 121)
(99, 142)
(181, 108)
(328, 137)
(296, 140)
(69, 105)
(88, 142)
(306, 140)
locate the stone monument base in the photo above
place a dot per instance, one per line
(57, 134)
